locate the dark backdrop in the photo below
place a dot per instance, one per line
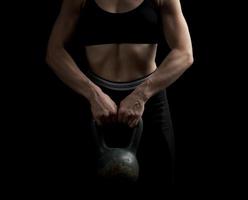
(47, 111)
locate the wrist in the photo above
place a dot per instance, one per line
(92, 91)
(143, 91)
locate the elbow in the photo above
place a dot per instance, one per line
(189, 59)
(49, 56)
(52, 55)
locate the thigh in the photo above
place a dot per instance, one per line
(156, 152)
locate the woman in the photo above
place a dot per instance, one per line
(123, 83)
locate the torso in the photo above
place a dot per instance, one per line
(121, 62)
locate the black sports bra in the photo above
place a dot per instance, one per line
(139, 25)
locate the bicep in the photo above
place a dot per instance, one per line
(65, 22)
(174, 24)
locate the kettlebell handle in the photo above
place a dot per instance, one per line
(134, 143)
(98, 136)
(136, 136)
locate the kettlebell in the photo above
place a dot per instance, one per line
(118, 164)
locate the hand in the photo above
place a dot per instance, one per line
(103, 108)
(130, 110)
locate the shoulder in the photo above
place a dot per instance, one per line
(164, 3)
(74, 3)
(158, 3)
(172, 7)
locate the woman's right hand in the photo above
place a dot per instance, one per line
(103, 108)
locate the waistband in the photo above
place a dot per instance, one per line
(113, 85)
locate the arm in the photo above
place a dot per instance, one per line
(180, 57)
(59, 59)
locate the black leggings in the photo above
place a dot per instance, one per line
(156, 152)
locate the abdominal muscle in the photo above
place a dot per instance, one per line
(122, 62)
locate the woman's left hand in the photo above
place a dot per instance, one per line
(131, 110)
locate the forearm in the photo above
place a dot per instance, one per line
(172, 67)
(67, 70)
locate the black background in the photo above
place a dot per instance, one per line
(43, 110)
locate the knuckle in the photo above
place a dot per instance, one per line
(133, 114)
(115, 107)
(136, 114)
(105, 113)
(99, 115)
(129, 113)
(121, 109)
(113, 112)
(131, 125)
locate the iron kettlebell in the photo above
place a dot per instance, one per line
(118, 164)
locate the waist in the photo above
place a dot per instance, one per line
(113, 85)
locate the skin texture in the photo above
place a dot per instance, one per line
(121, 62)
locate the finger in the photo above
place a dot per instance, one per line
(108, 118)
(131, 120)
(103, 119)
(111, 118)
(98, 122)
(113, 115)
(114, 118)
(131, 123)
(120, 116)
(128, 116)
(125, 119)
(134, 123)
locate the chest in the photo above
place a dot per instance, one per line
(126, 21)
(118, 6)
